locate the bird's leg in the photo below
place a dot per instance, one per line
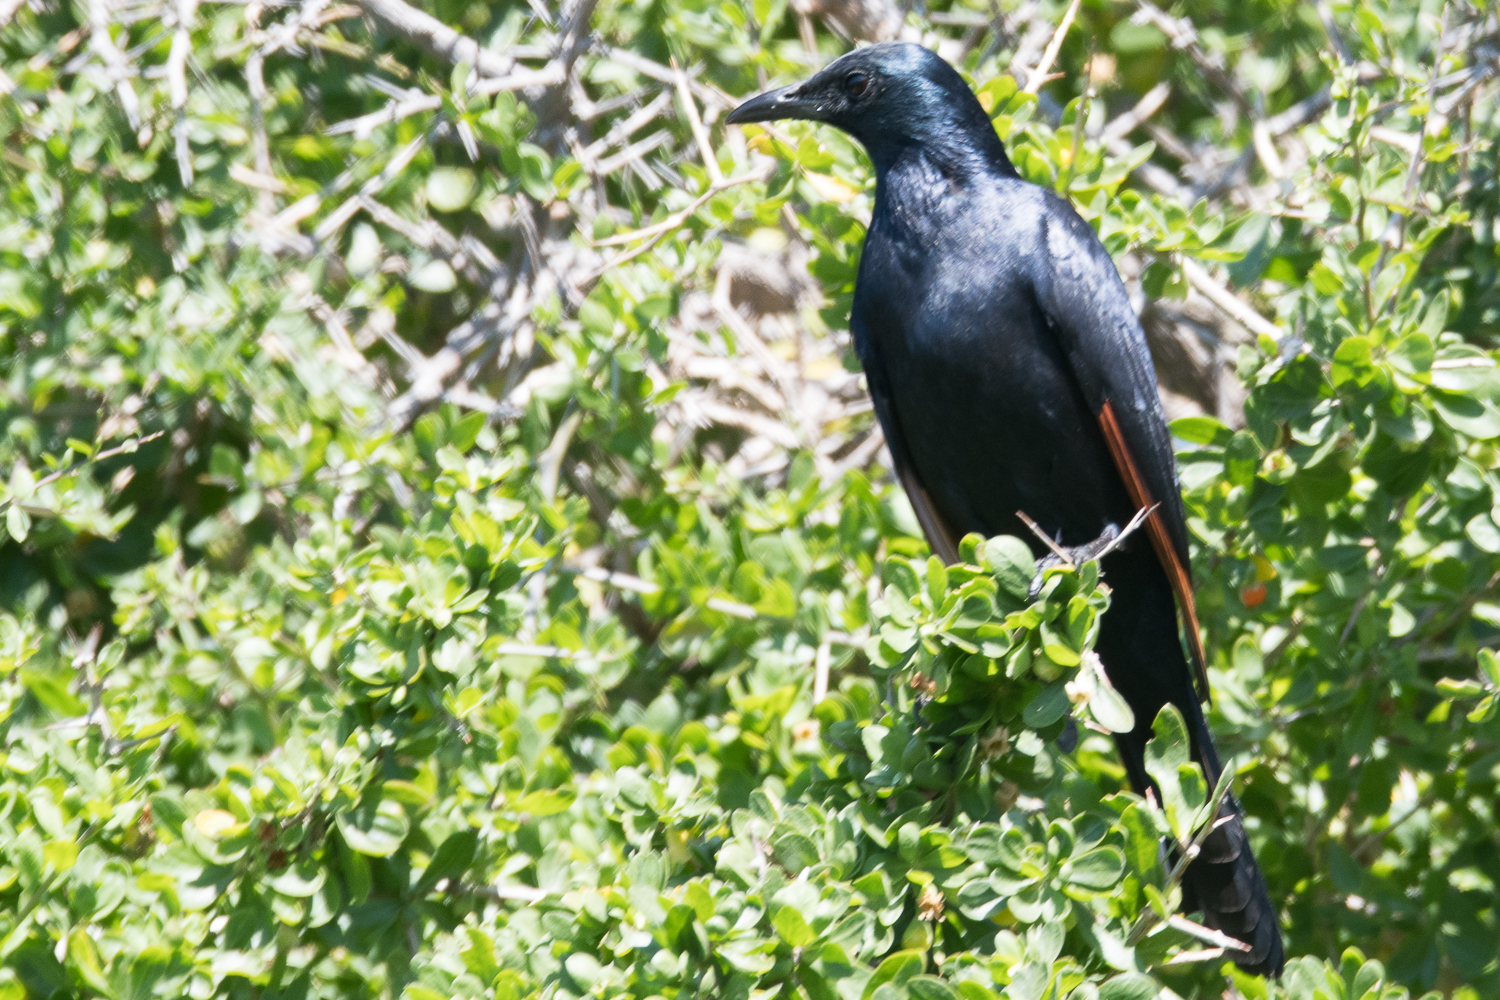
(1075, 555)
(1112, 538)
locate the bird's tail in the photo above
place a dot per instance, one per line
(1225, 883)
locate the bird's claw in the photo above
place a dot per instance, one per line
(1073, 556)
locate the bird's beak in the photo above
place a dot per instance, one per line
(788, 102)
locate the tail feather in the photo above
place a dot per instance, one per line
(1226, 884)
(1223, 883)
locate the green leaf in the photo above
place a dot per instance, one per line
(18, 523)
(897, 969)
(300, 880)
(1460, 687)
(463, 434)
(84, 959)
(1351, 362)
(546, 803)
(747, 958)
(452, 859)
(450, 188)
(1012, 563)
(1183, 790)
(1108, 707)
(1489, 665)
(1477, 418)
(51, 691)
(937, 581)
(929, 988)
(434, 276)
(376, 827)
(584, 969)
(1201, 430)
(1130, 986)
(792, 929)
(1046, 708)
(796, 852)
(1098, 870)
(1142, 841)
(1413, 355)
(1058, 649)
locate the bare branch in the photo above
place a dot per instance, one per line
(1184, 35)
(116, 65)
(1038, 76)
(710, 162)
(1148, 105)
(521, 79)
(1226, 300)
(1181, 923)
(653, 234)
(434, 37)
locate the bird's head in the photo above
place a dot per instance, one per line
(889, 97)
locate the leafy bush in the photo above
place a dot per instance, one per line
(393, 605)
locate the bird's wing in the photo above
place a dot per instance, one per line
(940, 536)
(1080, 293)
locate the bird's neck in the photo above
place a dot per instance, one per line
(960, 150)
(923, 185)
(944, 164)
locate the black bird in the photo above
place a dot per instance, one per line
(1009, 373)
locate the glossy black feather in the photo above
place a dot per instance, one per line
(993, 327)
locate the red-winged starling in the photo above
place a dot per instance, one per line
(1009, 373)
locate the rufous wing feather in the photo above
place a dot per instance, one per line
(1171, 561)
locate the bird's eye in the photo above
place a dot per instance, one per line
(857, 83)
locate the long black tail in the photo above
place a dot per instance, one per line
(1223, 883)
(1143, 658)
(1226, 885)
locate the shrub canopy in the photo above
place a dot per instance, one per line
(448, 553)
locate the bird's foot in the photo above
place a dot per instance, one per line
(1062, 555)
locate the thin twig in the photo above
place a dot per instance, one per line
(1124, 124)
(427, 32)
(1181, 923)
(1134, 523)
(115, 62)
(1036, 529)
(1335, 38)
(521, 79)
(1187, 854)
(52, 477)
(653, 234)
(700, 134)
(1086, 550)
(1376, 836)
(820, 671)
(1038, 76)
(1184, 36)
(1227, 302)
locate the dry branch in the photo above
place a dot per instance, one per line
(1038, 76)
(1228, 302)
(436, 38)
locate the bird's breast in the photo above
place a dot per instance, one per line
(984, 395)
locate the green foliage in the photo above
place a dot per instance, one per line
(548, 698)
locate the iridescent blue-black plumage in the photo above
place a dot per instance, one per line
(1009, 373)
